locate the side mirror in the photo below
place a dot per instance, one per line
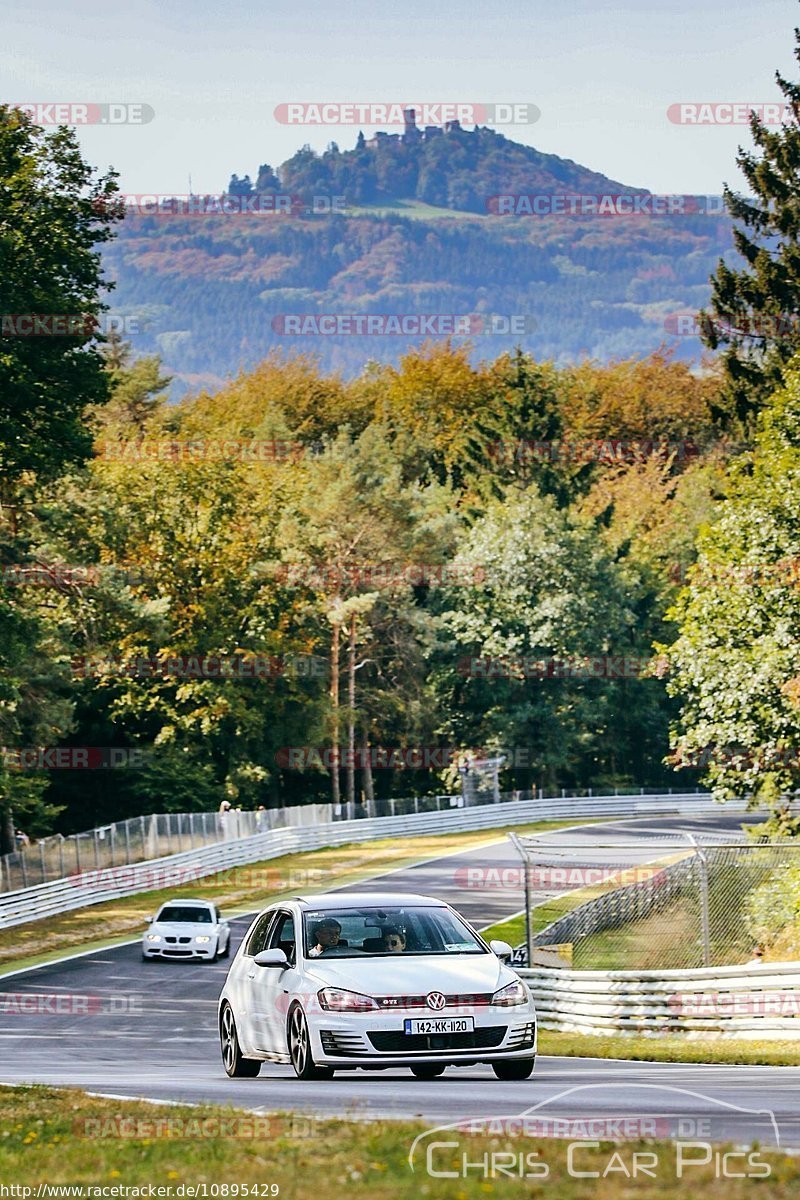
(501, 949)
(149, 920)
(272, 958)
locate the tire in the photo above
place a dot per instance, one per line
(520, 1068)
(299, 1041)
(226, 953)
(234, 1062)
(428, 1070)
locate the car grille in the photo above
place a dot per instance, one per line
(178, 953)
(182, 940)
(464, 1000)
(395, 1041)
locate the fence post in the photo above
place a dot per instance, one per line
(113, 834)
(61, 859)
(77, 841)
(705, 925)
(127, 844)
(96, 850)
(41, 859)
(23, 868)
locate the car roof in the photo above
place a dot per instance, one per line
(180, 900)
(367, 900)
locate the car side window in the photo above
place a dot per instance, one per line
(258, 938)
(283, 938)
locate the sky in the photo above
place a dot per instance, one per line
(602, 74)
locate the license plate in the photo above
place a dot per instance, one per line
(439, 1024)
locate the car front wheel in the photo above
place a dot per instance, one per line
(300, 1048)
(428, 1070)
(520, 1068)
(236, 1065)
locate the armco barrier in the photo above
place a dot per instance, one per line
(737, 1001)
(64, 895)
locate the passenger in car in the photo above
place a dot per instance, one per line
(394, 940)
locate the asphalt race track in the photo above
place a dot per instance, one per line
(149, 1030)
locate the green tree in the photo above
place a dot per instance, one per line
(753, 307)
(736, 661)
(54, 214)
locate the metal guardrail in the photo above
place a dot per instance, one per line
(158, 834)
(111, 883)
(735, 1001)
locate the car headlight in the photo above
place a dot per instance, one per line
(202, 938)
(338, 1000)
(154, 937)
(512, 993)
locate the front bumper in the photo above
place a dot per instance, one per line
(179, 952)
(379, 1040)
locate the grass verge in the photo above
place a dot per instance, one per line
(735, 1051)
(66, 1137)
(242, 889)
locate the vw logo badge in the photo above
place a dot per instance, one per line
(435, 1000)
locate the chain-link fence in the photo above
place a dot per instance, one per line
(674, 902)
(154, 836)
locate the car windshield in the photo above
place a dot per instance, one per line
(185, 912)
(355, 932)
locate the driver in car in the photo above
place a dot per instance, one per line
(325, 935)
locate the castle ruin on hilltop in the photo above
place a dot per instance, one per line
(412, 134)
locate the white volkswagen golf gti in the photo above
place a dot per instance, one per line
(339, 981)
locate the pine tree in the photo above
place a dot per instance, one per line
(754, 310)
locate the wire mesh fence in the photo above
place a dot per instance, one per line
(156, 835)
(675, 902)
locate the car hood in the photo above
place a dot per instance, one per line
(398, 976)
(196, 928)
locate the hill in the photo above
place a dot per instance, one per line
(212, 294)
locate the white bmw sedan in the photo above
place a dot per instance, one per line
(189, 929)
(339, 981)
